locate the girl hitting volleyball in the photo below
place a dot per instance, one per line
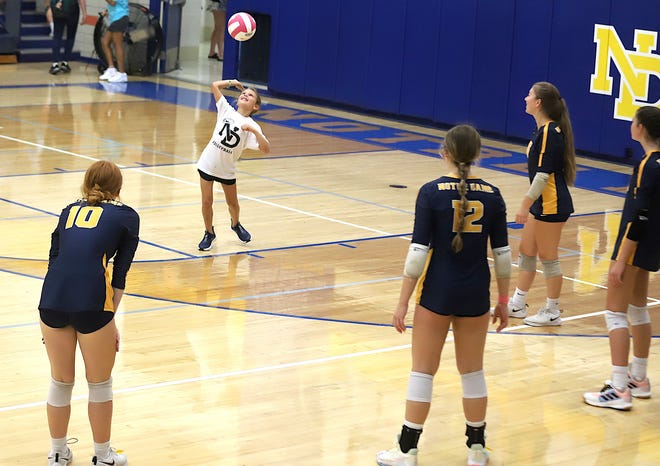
(234, 131)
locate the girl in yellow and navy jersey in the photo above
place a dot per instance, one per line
(636, 253)
(551, 168)
(78, 305)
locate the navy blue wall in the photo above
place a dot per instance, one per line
(454, 61)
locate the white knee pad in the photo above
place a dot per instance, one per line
(615, 320)
(551, 268)
(100, 392)
(59, 393)
(638, 315)
(420, 387)
(526, 263)
(474, 385)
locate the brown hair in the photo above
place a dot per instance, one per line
(102, 182)
(649, 117)
(258, 99)
(554, 106)
(463, 143)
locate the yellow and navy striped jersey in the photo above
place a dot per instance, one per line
(84, 241)
(545, 154)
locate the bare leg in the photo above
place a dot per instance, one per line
(470, 341)
(617, 301)
(61, 349)
(428, 339)
(207, 203)
(118, 43)
(548, 235)
(641, 334)
(231, 196)
(527, 247)
(98, 351)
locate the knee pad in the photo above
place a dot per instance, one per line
(59, 393)
(551, 268)
(420, 387)
(526, 263)
(100, 392)
(638, 315)
(615, 320)
(474, 385)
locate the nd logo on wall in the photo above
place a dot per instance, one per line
(635, 66)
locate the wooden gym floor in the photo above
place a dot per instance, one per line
(280, 352)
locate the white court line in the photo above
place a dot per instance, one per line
(177, 180)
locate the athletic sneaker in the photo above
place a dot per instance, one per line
(610, 397)
(477, 455)
(64, 67)
(639, 388)
(108, 73)
(60, 459)
(118, 78)
(517, 313)
(242, 233)
(395, 457)
(54, 68)
(208, 240)
(115, 459)
(544, 318)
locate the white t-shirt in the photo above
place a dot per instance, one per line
(227, 142)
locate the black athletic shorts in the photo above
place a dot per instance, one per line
(121, 25)
(207, 177)
(83, 322)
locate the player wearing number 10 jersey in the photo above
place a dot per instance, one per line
(86, 238)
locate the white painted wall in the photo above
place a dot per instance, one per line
(196, 27)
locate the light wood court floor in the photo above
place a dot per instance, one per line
(279, 352)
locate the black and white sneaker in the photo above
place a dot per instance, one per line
(54, 68)
(115, 459)
(64, 67)
(242, 233)
(60, 459)
(207, 241)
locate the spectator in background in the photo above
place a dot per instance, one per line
(217, 46)
(65, 16)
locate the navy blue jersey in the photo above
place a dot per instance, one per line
(85, 240)
(545, 154)
(643, 194)
(458, 283)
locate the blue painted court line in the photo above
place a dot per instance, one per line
(594, 179)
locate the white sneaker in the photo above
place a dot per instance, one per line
(609, 397)
(108, 73)
(517, 313)
(118, 78)
(115, 459)
(60, 459)
(544, 318)
(477, 455)
(639, 388)
(395, 457)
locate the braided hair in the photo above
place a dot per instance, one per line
(463, 144)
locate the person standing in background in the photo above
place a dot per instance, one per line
(65, 14)
(217, 46)
(117, 25)
(551, 170)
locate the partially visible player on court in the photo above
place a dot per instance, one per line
(455, 217)
(234, 131)
(551, 170)
(636, 253)
(78, 305)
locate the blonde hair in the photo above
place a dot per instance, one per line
(103, 181)
(463, 143)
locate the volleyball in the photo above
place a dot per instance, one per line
(241, 26)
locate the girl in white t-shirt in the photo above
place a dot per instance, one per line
(234, 131)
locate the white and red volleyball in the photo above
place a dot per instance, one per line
(241, 26)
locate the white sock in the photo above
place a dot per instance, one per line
(413, 425)
(619, 377)
(638, 368)
(552, 305)
(58, 444)
(475, 424)
(519, 299)
(102, 450)
(51, 28)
